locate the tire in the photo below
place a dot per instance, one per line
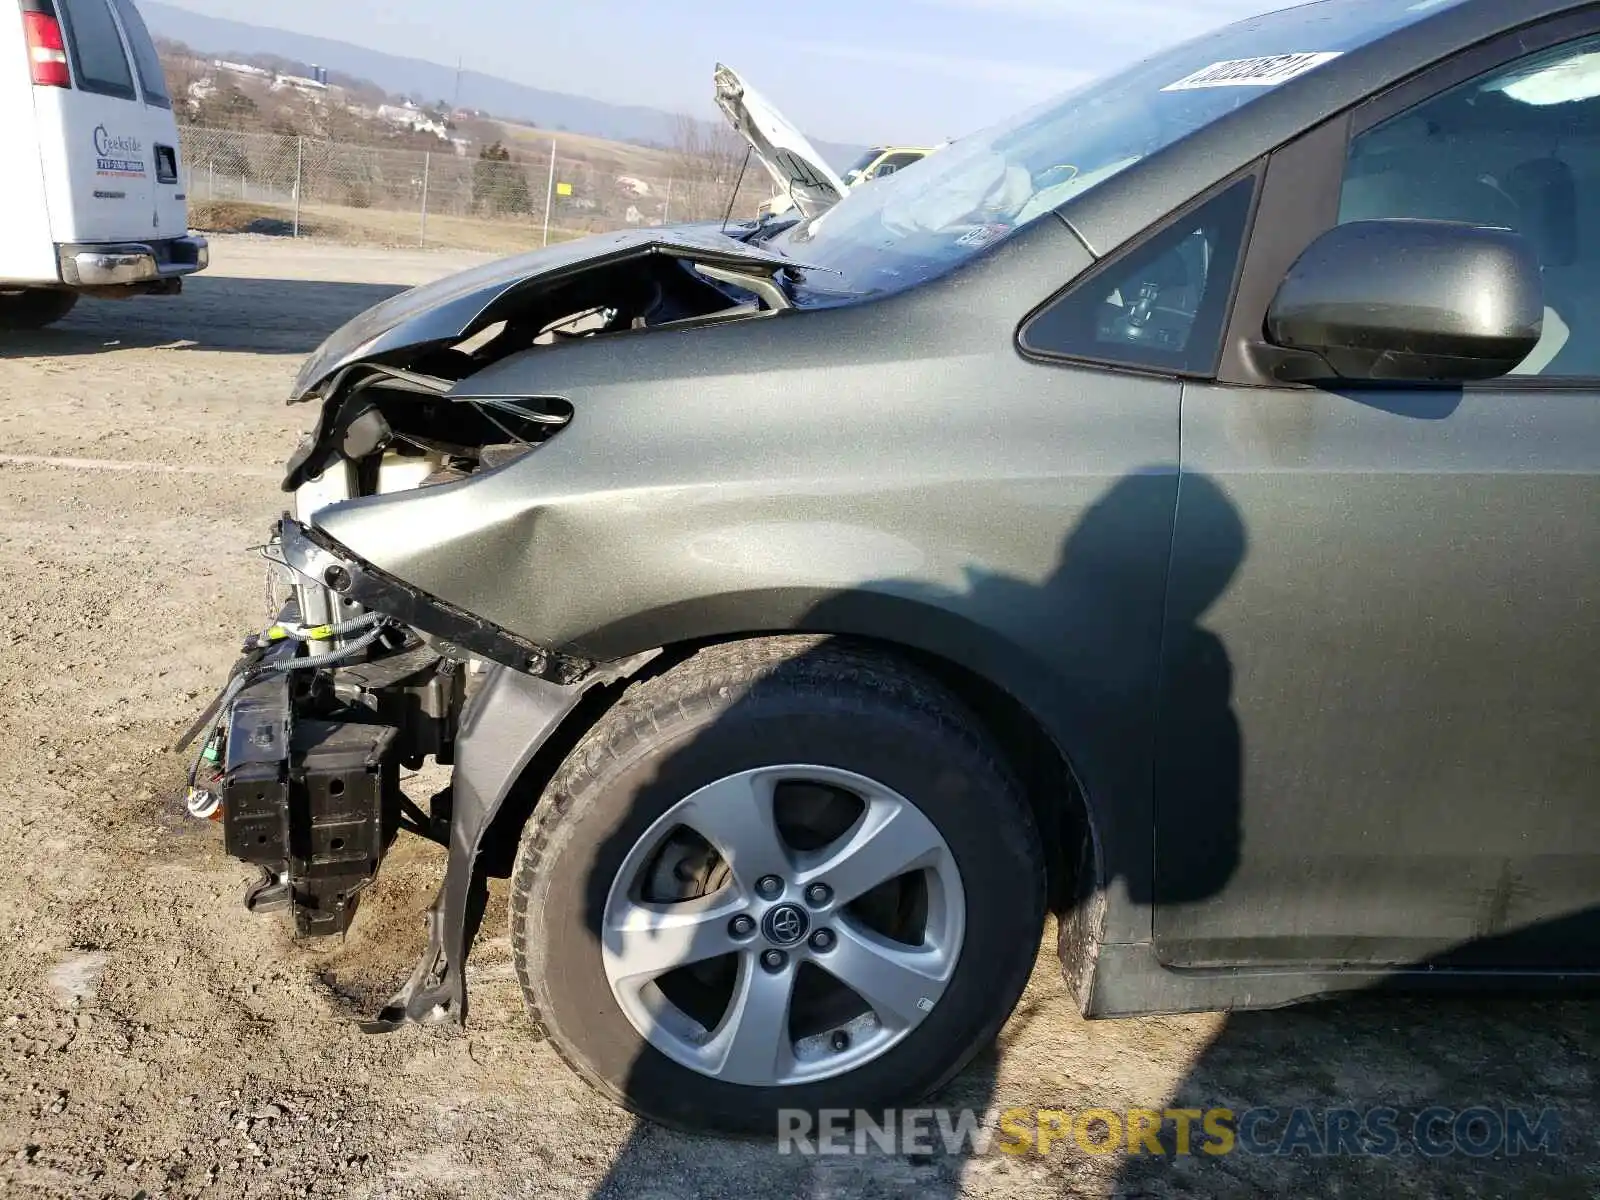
(745, 714)
(35, 308)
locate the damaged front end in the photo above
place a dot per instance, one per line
(303, 767)
(363, 673)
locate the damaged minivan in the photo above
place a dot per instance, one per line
(1172, 509)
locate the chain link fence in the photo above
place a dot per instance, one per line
(302, 187)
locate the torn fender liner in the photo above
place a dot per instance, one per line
(454, 308)
(505, 724)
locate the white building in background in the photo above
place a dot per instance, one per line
(241, 68)
(400, 114)
(409, 116)
(300, 83)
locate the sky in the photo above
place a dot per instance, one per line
(859, 71)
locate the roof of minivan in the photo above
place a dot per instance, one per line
(1108, 215)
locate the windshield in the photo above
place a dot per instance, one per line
(923, 220)
(861, 164)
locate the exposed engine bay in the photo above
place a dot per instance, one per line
(360, 674)
(416, 401)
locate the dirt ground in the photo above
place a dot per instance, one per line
(159, 1041)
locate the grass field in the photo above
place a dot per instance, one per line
(618, 158)
(373, 226)
(358, 195)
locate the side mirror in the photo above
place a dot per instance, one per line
(1407, 301)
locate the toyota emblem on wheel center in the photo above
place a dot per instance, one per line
(785, 925)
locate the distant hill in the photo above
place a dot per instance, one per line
(426, 81)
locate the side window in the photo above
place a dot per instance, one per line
(1519, 148)
(98, 61)
(1159, 306)
(152, 79)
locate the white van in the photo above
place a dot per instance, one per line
(92, 202)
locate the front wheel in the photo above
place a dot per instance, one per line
(787, 873)
(34, 308)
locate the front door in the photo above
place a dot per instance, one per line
(1410, 647)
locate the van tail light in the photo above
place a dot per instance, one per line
(47, 50)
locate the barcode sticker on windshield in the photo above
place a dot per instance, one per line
(1253, 72)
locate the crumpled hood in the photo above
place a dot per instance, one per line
(452, 309)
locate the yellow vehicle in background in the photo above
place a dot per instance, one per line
(884, 160)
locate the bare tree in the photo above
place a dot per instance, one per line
(706, 161)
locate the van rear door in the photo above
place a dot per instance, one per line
(94, 137)
(171, 208)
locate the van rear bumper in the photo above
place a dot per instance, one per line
(122, 263)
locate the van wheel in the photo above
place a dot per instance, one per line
(785, 874)
(35, 308)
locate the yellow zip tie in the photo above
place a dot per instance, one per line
(315, 633)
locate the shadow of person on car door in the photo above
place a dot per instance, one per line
(1373, 1093)
(1100, 618)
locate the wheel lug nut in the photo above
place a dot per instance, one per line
(818, 894)
(822, 940)
(773, 960)
(840, 1041)
(742, 926)
(769, 886)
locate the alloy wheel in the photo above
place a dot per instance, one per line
(783, 925)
